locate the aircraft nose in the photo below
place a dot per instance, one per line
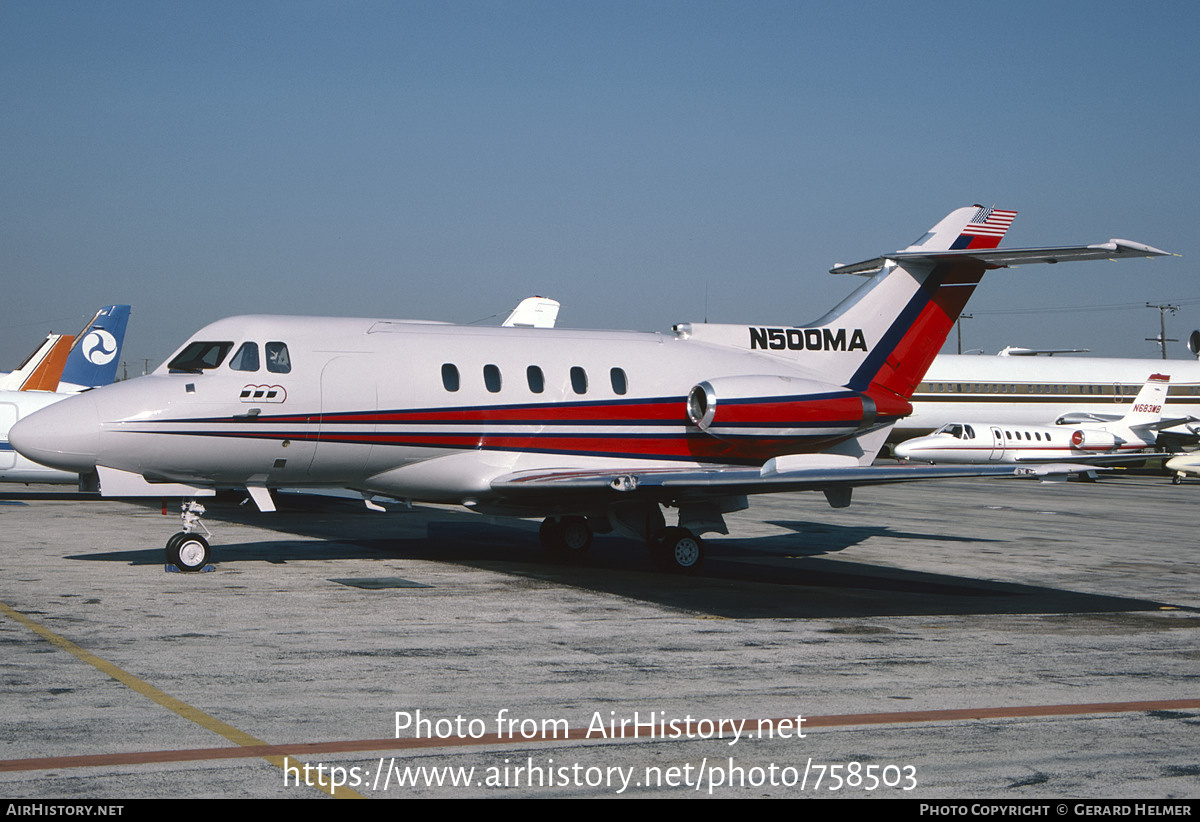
(65, 435)
(903, 451)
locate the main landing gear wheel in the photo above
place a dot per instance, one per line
(188, 552)
(679, 550)
(566, 537)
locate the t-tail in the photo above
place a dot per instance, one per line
(905, 312)
(1148, 405)
(879, 342)
(901, 317)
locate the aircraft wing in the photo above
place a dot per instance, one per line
(1001, 258)
(1095, 459)
(695, 483)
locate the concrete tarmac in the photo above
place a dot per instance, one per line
(966, 639)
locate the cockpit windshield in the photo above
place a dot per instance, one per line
(958, 431)
(199, 356)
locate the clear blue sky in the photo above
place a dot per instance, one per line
(643, 162)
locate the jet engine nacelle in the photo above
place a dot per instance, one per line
(1093, 440)
(756, 404)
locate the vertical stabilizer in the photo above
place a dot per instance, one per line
(94, 359)
(49, 371)
(904, 313)
(971, 227)
(13, 380)
(1149, 403)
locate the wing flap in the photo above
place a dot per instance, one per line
(683, 483)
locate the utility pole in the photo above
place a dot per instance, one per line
(1161, 339)
(962, 317)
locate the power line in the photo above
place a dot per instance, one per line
(1075, 309)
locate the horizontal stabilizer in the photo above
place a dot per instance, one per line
(1162, 425)
(1004, 257)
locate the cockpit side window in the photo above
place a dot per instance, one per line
(278, 360)
(199, 356)
(245, 358)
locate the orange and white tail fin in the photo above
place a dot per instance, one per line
(14, 380)
(49, 371)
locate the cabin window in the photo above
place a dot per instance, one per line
(619, 384)
(579, 382)
(278, 360)
(199, 356)
(491, 378)
(450, 377)
(536, 379)
(245, 358)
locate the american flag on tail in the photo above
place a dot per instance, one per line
(990, 222)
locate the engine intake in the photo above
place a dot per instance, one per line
(1086, 440)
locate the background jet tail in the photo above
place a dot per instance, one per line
(1148, 405)
(533, 312)
(48, 373)
(96, 354)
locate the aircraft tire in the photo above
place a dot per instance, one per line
(188, 552)
(566, 538)
(172, 544)
(679, 550)
(1177, 479)
(576, 535)
(550, 534)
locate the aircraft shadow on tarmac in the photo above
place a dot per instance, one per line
(776, 576)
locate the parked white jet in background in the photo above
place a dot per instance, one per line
(593, 430)
(1085, 440)
(1183, 465)
(1004, 390)
(91, 360)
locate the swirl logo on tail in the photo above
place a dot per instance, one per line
(99, 347)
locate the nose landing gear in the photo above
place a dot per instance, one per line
(188, 551)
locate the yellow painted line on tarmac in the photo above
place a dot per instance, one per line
(169, 702)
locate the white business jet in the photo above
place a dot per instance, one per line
(1076, 440)
(1183, 465)
(595, 431)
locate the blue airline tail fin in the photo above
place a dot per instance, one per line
(96, 354)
